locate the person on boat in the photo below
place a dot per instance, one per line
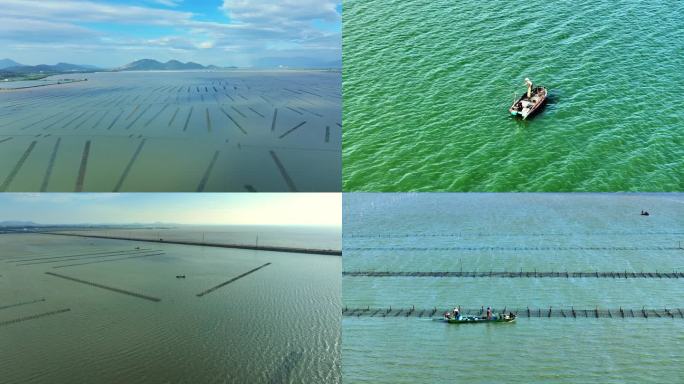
(529, 87)
(457, 314)
(489, 313)
(447, 315)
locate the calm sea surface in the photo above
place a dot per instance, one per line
(427, 86)
(279, 324)
(546, 232)
(174, 131)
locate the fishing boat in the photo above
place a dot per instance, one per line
(480, 319)
(530, 102)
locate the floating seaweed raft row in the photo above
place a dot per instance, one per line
(597, 313)
(517, 249)
(516, 234)
(520, 274)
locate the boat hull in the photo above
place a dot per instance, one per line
(526, 107)
(475, 319)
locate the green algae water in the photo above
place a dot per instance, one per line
(278, 324)
(427, 86)
(512, 232)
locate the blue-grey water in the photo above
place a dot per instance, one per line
(512, 232)
(189, 131)
(279, 324)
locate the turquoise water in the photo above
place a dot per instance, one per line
(280, 324)
(539, 350)
(427, 86)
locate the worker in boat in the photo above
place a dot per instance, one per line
(447, 315)
(457, 313)
(529, 87)
(489, 313)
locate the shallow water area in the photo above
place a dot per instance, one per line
(193, 131)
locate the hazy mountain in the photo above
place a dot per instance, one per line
(10, 223)
(45, 68)
(154, 65)
(6, 63)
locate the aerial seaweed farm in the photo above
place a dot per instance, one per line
(195, 131)
(84, 309)
(591, 286)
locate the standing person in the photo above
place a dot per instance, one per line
(529, 87)
(457, 313)
(489, 313)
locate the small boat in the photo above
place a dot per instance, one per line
(180, 276)
(480, 319)
(527, 106)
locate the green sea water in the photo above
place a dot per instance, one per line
(427, 86)
(511, 232)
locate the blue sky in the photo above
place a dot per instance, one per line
(179, 208)
(111, 33)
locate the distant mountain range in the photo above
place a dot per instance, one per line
(154, 65)
(10, 223)
(10, 68)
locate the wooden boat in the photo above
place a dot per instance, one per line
(525, 107)
(480, 319)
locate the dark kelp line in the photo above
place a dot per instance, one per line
(328, 252)
(520, 274)
(22, 303)
(480, 234)
(21, 259)
(125, 292)
(212, 289)
(514, 249)
(79, 258)
(37, 316)
(619, 313)
(110, 260)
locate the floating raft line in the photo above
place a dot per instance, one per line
(465, 234)
(82, 169)
(119, 290)
(110, 260)
(22, 259)
(527, 312)
(283, 172)
(212, 289)
(311, 251)
(17, 167)
(520, 274)
(37, 316)
(489, 248)
(51, 163)
(20, 304)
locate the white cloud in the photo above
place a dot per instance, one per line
(168, 3)
(256, 29)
